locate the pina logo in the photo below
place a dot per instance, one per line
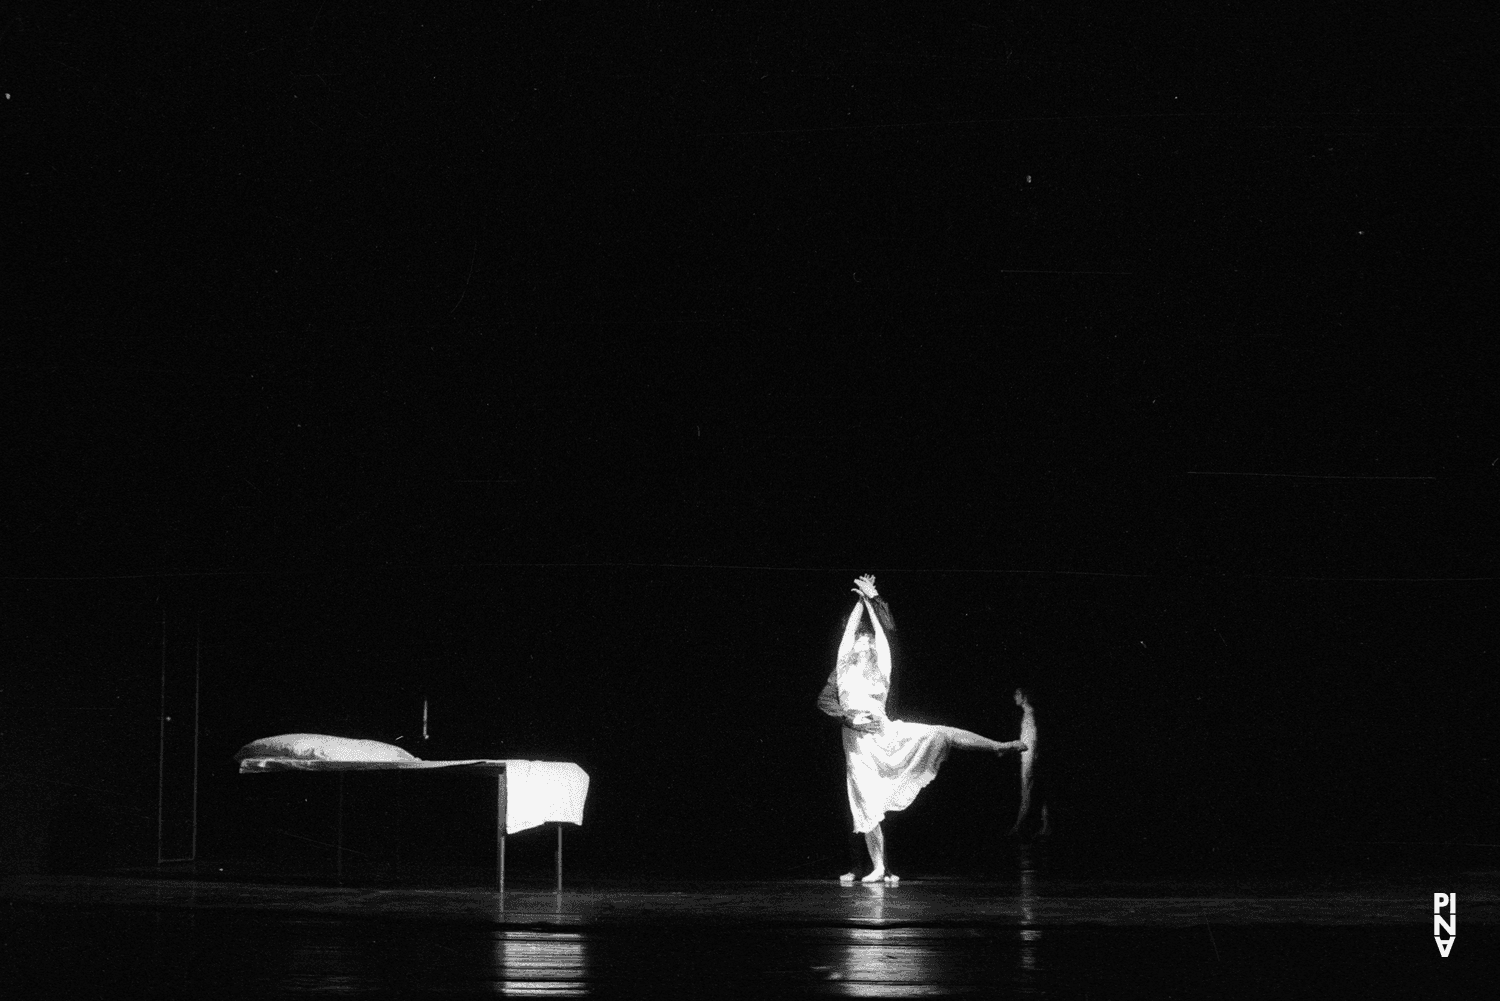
(1448, 924)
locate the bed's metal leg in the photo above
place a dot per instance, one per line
(339, 851)
(500, 810)
(559, 858)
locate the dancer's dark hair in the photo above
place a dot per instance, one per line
(887, 621)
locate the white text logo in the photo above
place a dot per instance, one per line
(1445, 925)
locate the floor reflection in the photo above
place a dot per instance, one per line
(1027, 866)
(532, 964)
(882, 962)
(1026, 934)
(1030, 936)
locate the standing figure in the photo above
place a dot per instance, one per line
(1033, 787)
(887, 761)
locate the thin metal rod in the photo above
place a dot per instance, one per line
(340, 847)
(400, 821)
(500, 811)
(559, 858)
(161, 738)
(197, 702)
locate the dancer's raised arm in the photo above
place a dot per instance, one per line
(829, 700)
(882, 644)
(847, 643)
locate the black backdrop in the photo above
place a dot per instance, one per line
(563, 374)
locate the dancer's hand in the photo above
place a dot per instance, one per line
(865, 585)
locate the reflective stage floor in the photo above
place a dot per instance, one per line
(213, 934)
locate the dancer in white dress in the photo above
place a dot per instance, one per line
(887, 761)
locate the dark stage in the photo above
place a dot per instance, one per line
(1359, 925)
(503, 381)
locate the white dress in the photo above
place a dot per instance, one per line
(885, 770)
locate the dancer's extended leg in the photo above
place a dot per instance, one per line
(971, 741)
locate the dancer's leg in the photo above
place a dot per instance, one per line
(1040, 794)
(968, 740)
(890, 863)
(1025, 799)
(875, 842)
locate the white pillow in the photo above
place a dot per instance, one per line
(320, 747)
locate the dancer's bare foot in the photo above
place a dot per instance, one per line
(876, 875)
(847, 877)
(892, 879)
(1006, 748)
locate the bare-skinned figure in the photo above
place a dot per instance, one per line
(1033, 796)
(887, 762)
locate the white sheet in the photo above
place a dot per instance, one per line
(537, 792)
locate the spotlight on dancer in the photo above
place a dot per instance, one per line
(887, 761)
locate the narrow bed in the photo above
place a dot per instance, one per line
(527, 793)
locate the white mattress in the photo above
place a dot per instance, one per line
(537, 792)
